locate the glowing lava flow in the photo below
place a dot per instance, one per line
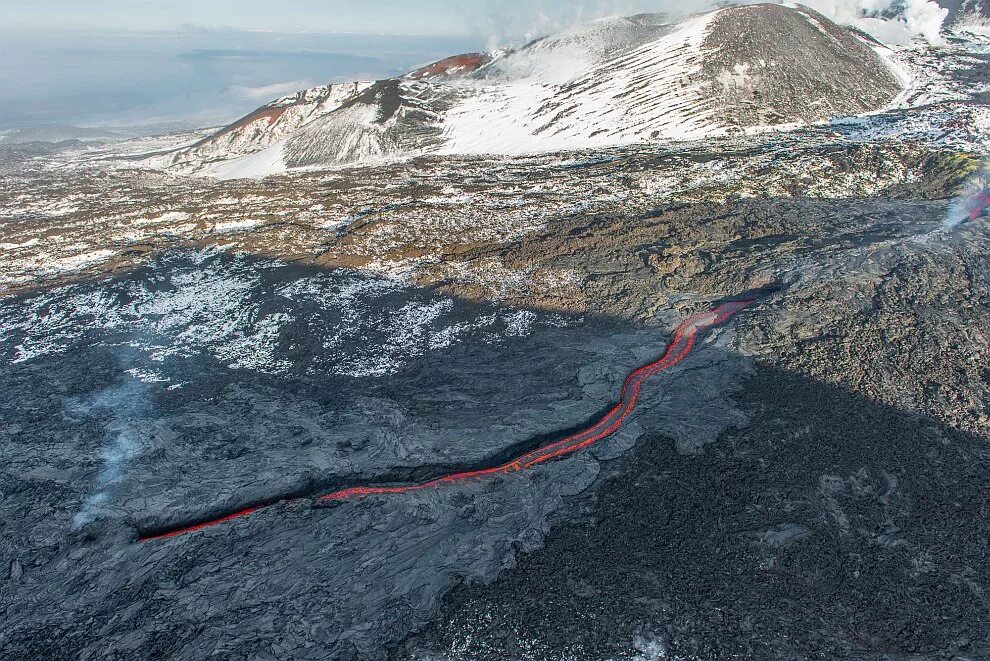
(680, 347)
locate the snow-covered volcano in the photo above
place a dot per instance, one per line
(615, 81)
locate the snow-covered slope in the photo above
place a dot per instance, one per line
(615, 81)
(735, 69)
(268, 125)
(390, 118)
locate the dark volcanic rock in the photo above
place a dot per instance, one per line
(965, 8)
(830, 527)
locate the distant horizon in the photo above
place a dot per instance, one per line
(187, 78)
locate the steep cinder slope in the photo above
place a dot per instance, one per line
(451, 67)
(390, 118)
(972, 7)
(767, 64)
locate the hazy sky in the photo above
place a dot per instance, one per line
(426, 17)
(389, 16)
(188, 77)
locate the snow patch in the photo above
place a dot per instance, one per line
(267, 162)
(239, 225)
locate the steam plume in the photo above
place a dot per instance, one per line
(125, 404)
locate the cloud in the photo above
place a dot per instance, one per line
(267, 92)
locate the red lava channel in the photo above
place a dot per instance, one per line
(680, 347)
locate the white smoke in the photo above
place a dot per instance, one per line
(890, 21)
(125, 404)
(649, 649)
(926, 18)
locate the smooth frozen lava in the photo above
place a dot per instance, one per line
(680, 347)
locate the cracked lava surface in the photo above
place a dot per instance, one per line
(681, 346)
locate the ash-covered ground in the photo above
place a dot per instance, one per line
(830, 527)
(810, 483)
(204, 383)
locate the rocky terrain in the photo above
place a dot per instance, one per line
(808, 480)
